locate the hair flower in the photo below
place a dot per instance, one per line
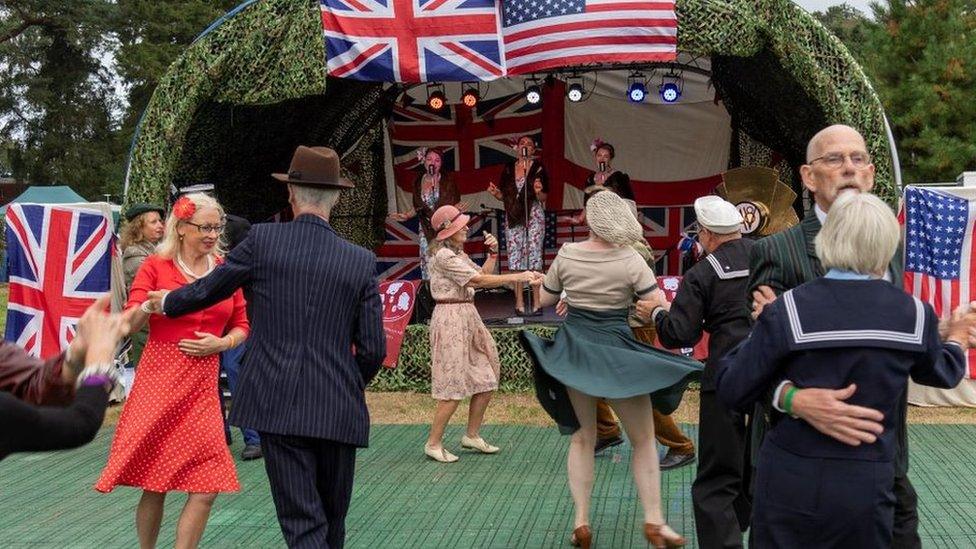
(596, 144)
(421, 153)
(184, 209)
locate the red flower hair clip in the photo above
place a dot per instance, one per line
(184, 209)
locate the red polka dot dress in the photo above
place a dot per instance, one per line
(171, 433)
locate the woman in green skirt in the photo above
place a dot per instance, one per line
(594, 355)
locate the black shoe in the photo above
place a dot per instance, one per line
(671, 460)
(251, 451)
(604, 443)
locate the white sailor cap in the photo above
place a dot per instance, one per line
(717, 215)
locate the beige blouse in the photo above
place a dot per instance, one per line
(449, 272)
(599, 279)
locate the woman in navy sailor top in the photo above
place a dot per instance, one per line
(849, 327)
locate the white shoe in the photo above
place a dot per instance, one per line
(478, 444)
(440, 454)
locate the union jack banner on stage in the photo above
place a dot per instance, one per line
(412, 40)
(59, 260)
(939, 249)
(470, 139)
(398, 258)
(457, 40)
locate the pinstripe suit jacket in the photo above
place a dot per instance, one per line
(788, 259)
(314, 297)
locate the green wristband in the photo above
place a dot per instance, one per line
(788, 400)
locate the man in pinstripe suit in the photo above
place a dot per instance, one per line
(837, 161)
(316, 342)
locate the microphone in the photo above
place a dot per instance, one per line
(525, 152)
(430, 169)
(603, 166)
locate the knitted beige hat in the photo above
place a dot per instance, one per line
(611, 219)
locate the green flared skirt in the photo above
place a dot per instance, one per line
(595, 352)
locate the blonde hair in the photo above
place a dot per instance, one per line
(861, 234)
(131, 232)
(170, 244)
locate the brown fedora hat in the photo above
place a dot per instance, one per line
(314, 167)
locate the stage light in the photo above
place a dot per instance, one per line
(637, 92)
(436, 99)
(671, 86)
(533, 94)
(670, 92)
(574, 89)
(471, 94)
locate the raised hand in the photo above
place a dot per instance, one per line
(154, 301)
(99, 333)
(207, 344)
(493, 190)
(491, 242)
(537, 186)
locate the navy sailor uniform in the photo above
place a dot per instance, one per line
(712, 297)
(811, 490)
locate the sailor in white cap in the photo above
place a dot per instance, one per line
(713, 297)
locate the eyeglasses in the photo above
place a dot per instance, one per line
(205, 229)
(836, 160)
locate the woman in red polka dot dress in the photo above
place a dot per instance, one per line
(171, 433)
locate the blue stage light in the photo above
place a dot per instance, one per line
(637, 92)
(670, 92)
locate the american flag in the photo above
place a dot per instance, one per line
(939, 249)
(547, 34)
(59, 260)
(412, 40)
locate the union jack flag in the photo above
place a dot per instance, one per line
(398, 258)
(59, 260)
(412, 40)
(475, 142)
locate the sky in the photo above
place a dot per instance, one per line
(821, 5)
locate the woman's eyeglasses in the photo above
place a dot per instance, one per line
(206, 229)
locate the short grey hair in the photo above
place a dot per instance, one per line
(319, 198)
(861, 234)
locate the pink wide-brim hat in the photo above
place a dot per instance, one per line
(448, 220)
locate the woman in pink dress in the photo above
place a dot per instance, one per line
(171, 434)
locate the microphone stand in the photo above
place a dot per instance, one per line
(527, 297)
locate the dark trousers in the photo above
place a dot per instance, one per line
(719, 493)
(905, 534)
(230, 363)
(311, 484)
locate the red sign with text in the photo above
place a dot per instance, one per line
(669, 285)
(398, 298)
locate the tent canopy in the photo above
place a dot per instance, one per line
(57, 194)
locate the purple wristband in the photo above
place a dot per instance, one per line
(97, 380)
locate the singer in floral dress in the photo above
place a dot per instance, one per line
(170, 436)
(524, 234)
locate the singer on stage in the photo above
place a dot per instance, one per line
(606, 175)
(431, 190)
(522, 189)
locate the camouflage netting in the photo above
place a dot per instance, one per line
(233, 107)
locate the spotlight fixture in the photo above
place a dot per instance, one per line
(533, 93)
(471, 94)
(636, 88)
(671, 86)
(574, 90)
(436, 99)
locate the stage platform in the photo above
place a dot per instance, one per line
(517, 498)
(497, 309)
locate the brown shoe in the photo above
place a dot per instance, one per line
(658, 538)
(582, 537)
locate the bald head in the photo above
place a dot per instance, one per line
(837, 162)
(830, 134)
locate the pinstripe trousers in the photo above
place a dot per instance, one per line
(311, 484)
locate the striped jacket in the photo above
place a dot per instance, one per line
(316, 329)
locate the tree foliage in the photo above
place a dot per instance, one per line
(921, 57)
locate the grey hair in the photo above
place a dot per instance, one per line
(861, 234)
(323, 199)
